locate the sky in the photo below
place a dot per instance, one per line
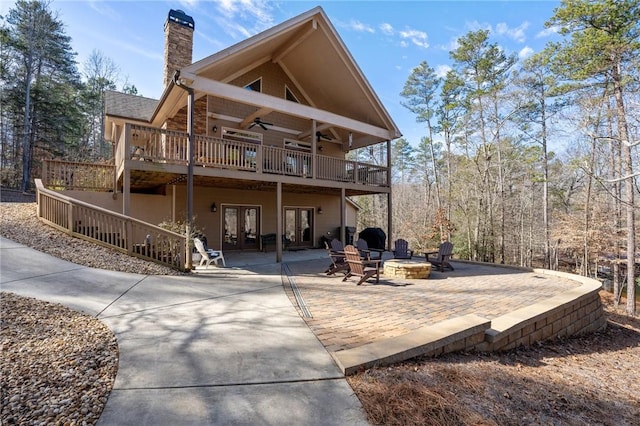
(387, 39)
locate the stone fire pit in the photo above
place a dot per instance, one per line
(406, 269)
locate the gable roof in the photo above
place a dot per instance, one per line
(311, 52)
(313, 56)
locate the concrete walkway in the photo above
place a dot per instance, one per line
(223, 348)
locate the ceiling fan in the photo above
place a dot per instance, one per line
(258, 122)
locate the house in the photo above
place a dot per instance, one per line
(266, 137)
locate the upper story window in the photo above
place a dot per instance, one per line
(295, 145)
(241, 135)
(288, 95)
(255, 86)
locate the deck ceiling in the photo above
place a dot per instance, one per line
(154, 182)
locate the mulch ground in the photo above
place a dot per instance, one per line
(584, 380)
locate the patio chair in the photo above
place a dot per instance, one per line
(359, 267)
(336, 245)
(365, 251)
(401, 249)
(338, 261)
(443, 255)
(208, 256)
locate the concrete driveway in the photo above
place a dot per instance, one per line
(223, 348)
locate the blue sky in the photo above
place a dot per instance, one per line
(386, 38)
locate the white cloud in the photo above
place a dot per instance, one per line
(131, 47)
(525, 52)
(452, 45)
(476, 26)
(517, 33)
(188, 3)
(386, 29)
(244, 18)
(419, 38)
(360, 27)
(442, 70)
(548, 32)
(104, 9)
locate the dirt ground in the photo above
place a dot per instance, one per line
(586, 380)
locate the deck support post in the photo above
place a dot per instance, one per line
(279, 227)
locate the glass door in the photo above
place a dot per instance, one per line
(298, 226)
(241, 228)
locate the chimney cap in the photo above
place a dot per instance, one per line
(179, 17)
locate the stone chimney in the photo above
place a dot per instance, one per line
(178, 43)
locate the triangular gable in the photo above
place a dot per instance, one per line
(314, 58)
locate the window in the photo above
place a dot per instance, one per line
(288, 95)
(241, 135)
(297, 157)
(295, 145)
(241, 155)
(255, 86)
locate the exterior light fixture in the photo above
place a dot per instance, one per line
(319, 210)
(214, 208)
(214, 129)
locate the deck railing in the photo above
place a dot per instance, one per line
(76, 175)
(123, 233)
(166, 146)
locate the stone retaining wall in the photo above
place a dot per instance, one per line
(577, 311)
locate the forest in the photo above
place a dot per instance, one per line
(488, 174)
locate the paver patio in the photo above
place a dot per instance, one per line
(344, 316)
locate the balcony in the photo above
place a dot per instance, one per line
(160, 150)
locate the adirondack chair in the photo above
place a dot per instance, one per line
(338, 260)
(401, 250)
(208, 256)
(336, 245)
(359, 267)
(443, 255)
(365, 251)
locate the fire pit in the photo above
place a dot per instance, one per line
(406, 269)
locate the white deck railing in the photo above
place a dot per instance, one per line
(165, 146)
(122, 233)
(75, 175)
(161, 146)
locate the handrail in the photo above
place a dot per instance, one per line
(123, 233)
(78, 175)
(168, 146)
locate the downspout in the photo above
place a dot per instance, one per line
(190, 131)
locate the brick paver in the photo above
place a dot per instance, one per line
(346, 316)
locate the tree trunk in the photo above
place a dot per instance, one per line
(627, 159)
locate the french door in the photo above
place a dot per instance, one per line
(298, 226)
(241, 228)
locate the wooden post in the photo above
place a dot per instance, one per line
(279, 221)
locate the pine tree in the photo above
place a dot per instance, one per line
(43, 64)
(603, 44)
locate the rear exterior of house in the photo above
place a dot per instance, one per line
(261, 139)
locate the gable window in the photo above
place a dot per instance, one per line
(255, 86)
(288, 95)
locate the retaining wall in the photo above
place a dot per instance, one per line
(577, 311)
